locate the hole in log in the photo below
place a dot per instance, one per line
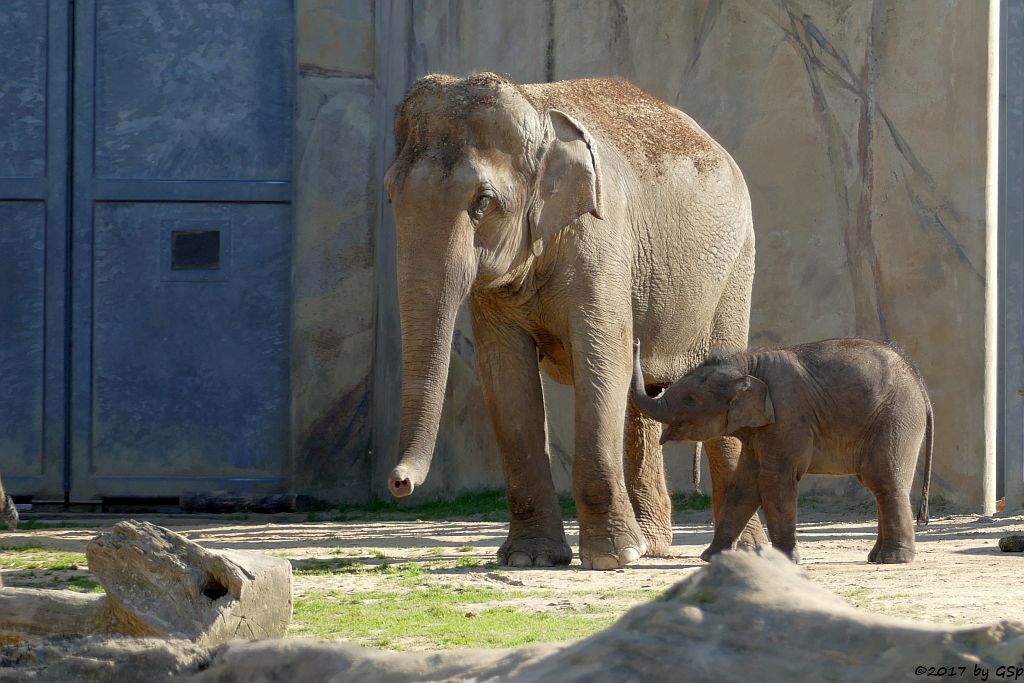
(214, 589)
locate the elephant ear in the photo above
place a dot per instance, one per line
(568, 180)
(751, 406)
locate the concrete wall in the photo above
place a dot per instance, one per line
(336, 183)
(862, 128)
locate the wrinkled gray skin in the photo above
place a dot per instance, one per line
(840, 406)
(8, 513)
(572, 216)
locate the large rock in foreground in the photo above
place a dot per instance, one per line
(749, 616)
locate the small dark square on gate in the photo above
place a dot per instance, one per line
(195, 250)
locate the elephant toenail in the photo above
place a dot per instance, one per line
(628, 555)
(605, 562)
(519, 559)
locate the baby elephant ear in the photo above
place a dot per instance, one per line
(751, 406)
(568, 179)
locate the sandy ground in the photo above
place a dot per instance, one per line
(960, 576)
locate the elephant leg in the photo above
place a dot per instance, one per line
(875, 549)
(602, 357)
(895, 543)
(723, 458)
(730, 330)
(645, 481)
(510, 377)
(888, 473)
(8, 512)
(779, 499)
(739, 501)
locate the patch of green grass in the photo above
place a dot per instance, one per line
(29, 524)
(467, 562)
(465, 549)
(937, 504)
(33, 557)
(855, 595)
(484, 505)
(692, 500)
(635, 594)
(437, 551)
(327, 567)
(379, 554)
(567, 504)
(318, 567)
(84, 584)
(808, 501)
(437, 617)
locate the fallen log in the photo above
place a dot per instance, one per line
(158, 583)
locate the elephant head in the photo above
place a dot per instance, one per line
(482, 181)
(716, 399)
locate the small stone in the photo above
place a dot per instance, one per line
(1012, 544)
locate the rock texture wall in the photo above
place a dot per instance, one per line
(333, 279)
(862, 128)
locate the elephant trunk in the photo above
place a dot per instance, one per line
(428, 307)
(654, 408)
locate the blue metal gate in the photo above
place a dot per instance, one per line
(33, 244)
(180, 231)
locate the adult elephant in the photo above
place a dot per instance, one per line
(574, 216)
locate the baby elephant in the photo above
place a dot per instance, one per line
(840, 406)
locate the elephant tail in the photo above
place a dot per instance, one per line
(696, 465)
(922, 512)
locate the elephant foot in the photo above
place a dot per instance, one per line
(710, 552)
(653, 511)
(793, 555)
(893, 556)
(605, 553)
(534, 551)
(753, 535)
(8, 515)
(657, 537)
(608, 561)
(873, 555)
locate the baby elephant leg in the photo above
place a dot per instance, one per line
(779, 499)
(739, 504)
(895, 544)
(889, 474)
(724, 454)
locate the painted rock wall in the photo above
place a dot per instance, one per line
(333, 272)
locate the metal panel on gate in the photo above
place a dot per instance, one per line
(182, 232)
(1011, 251)
(33, 239)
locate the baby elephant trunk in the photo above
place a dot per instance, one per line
(654, 408)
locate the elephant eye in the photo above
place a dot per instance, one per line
(482, 204)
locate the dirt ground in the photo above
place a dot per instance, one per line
(960, 576)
